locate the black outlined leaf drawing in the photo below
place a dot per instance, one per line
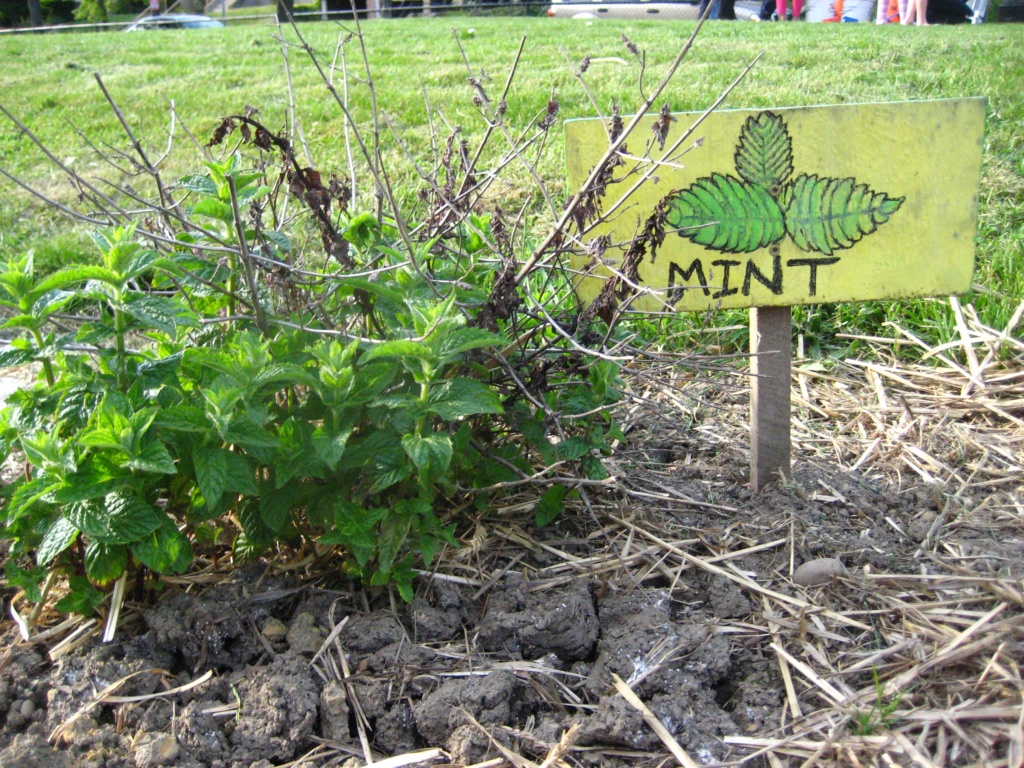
(731, 215)
(724, 214)
(827, 215)
(764, 155)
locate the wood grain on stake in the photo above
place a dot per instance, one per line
(769, 393)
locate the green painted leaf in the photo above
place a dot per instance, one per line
(460, 340)
(104, 562)
(80, 274)
(165, 550)
(355, 528)
(58, 537)
(370, 382)
(551, 505)
(194, 183)
(89, 482)
(52, 301)
(401, 348)
(393, 533)
(13, 356)
(572, 448)
(211, 465)
(26, 496)
(389, 464)
(828, 215)
(330, 438)
(764, 155)
(724, 214)
(257, 534)
(279, 239)
(283, 374)
(119, 518)
(248, 434)
(455, 398)
(25, 578)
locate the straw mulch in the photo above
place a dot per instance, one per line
(910, 658)
(917, 663)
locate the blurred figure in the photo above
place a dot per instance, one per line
(722, 9)
(780, 9)
(917, 13)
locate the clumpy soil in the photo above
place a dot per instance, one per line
(469, 666)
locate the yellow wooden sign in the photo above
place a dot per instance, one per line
(790, 206)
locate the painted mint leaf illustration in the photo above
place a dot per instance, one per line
(764, 155)
(827, 215)
(724, 214)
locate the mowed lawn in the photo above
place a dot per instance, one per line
(47, 81)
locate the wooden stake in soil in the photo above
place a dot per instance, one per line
(769, 393)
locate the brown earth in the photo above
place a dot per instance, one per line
(675, 579)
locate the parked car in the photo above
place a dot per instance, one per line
(593, 9)
(175, 21)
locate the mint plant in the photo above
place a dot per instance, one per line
(214, 383)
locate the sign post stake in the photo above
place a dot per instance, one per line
(770, 348)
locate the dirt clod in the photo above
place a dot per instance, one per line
(489, 699)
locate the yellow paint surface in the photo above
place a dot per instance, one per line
(927, 153)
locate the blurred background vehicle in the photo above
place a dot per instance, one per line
(175, 21)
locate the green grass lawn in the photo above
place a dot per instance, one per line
(48, 83)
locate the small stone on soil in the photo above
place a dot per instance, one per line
(819, 571)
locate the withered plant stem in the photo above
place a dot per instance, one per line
(614, 147)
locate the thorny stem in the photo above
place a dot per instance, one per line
(243, 252)
(77, 180)
(378, 172)
(47, 364)
(150, 169)
(614, 147)
(686, 135)
(497, 121)
(119, 331)
(296, 129)
(54, 204)
(348, 138)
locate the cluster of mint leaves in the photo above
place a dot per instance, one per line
(200, 402)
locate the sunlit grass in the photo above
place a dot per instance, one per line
(48, 83)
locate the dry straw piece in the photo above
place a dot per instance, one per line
(917, 662)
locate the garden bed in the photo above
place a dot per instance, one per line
(670, 582)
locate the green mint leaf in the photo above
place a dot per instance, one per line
(160, 313)
(401, 348)
(60, 535)
(27, 579)
(276, 506)
(183, 418)
(119, 518)
(456, 398)
(551, 505)
(214, 209)
(431, 454)
(453, 344)
(211, 465)
(82, 599)
(105, 562)
(164, 550)
(240, 477)
(154, 457)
